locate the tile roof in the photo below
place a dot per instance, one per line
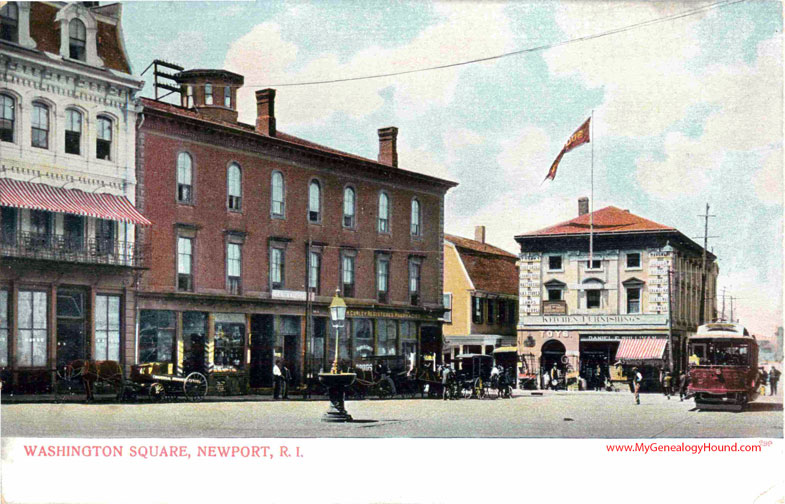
(606, 220)
(490, 268)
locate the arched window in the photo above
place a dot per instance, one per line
(184, 178)
(73, 131)
(314, 201)
(348, 207)
(77, 40)
(416, 218)
(277, 203)
(103, 142)
(9, 22)
(7, 118)
(384, 213)
(40, 126)
(234, 187)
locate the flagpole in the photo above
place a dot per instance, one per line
(591, 200)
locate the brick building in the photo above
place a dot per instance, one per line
(247, 219)
(67, 190)
(615, 309)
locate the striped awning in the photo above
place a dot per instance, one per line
(641, 349)
(19, 194)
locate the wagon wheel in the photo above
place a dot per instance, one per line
(468, 389)
(195, 386)
(156, 392)
(383, 389)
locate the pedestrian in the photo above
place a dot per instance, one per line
(277, 379)
(667, 385)
(286, 376)
(774, 377)
(637, 378)
(446, 371)
(598, 381)
(554, 376)
(683, 382)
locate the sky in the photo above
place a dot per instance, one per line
(686, 111)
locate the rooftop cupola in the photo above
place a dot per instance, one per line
(212, 92)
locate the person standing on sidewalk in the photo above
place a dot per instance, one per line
(277, 379)
(774, 377)
(683, 382)
(637, 378)
(286, 376)
(667, 385)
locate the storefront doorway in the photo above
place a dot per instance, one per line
(262, 337)
(71, 325)
(596, 357)
(431, 340)
(553, 352)
(194, 339)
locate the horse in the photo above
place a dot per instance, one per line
(92, 372)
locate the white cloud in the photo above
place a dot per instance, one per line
(768, 180)
(757, 303)
(686, 168)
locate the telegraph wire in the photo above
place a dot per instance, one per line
(585, 38)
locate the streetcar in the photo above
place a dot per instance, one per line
(723, 359)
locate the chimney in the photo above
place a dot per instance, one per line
(388, 146)
(265, 112)
(479, 234)
(583, 206)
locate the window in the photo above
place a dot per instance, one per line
(156, 336)
(73, 228)
(4, 328)
(634, 300)
(633, 260)
(277, 268)
(511, 307)
(103, 143)
(554, 294)
(314, 271)
(408, 333)
(208, 94)
(184, 178)
(277, 202)
(416, 223)
(594, 264)
(41, 229)
(73, 131)
(234, 187)
(314, 201)
(386, 336)
(384, 213)
(107, 327)
(31, 334)
(9, 22)
(348, 207)
(189, 96)
(383, 278)
(8, 225)
(7, 118)
(447, 302)
(40, 126)
(363, 337)
(414, 281)
(501, 307)
(185, 279)
(593, 298)
(491, 311)
(228, 97)
(477, 309)
(554, 263)
(233, 267)
(104, 236)
(347, 275)
(229, 330)
(77, 40)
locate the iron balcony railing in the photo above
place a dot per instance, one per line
(65, 248)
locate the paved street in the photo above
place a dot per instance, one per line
(568, 415)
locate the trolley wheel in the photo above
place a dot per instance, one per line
(156, 392)
(195, 386)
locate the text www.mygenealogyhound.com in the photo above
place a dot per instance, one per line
(694, 449)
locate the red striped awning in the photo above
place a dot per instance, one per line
(641, 349)
(19, 194)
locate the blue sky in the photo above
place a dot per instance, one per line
(686, 112)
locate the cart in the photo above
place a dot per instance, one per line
(473, 374)
(158, 382)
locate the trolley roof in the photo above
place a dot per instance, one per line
(722, 330)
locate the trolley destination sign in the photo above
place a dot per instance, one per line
(608, 320)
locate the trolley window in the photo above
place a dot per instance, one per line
(722, 353)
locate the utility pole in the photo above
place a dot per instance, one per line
(702, 312)
(731, 309)
(723, 305)
(670, 323)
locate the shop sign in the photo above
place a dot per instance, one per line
(555, 334)
(628, 319)
(290, 295)
(359, 313)
(554, 308)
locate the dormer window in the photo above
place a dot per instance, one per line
(77, 40)
(228, 97)
(9, 22)
(208, 94)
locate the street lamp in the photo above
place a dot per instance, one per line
(336, 381)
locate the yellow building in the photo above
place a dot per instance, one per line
(587, 317)
(481, 292)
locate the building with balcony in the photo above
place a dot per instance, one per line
(68, 257)
(481, 293)
(255, 229)
(616, 309)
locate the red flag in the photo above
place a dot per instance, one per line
(580, 137)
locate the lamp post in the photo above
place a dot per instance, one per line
(336, 381)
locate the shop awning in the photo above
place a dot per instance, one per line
(639, 349)
(505, 349)
(19, 194)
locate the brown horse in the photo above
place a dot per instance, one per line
(91, 371)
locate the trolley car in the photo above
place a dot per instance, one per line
(723, 365)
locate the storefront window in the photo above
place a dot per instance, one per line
(194, 337)
(229, 341)
(107, 327)
(317, 342)
(408, 338)
(362, 330)
(156, 336)
(343, 345)
(386, 335)
(32, 330)
(3, 328)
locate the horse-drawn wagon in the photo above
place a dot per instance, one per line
(158, 382)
